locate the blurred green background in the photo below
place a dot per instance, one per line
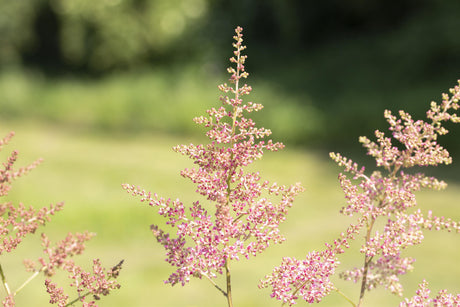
(103, 89)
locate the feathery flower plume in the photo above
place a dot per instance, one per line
(422, 298)
(16, 222)
(239, 219)
(387, 195)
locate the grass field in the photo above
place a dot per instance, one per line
(86, 171)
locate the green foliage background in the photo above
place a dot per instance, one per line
(344, 61)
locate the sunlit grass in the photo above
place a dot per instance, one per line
(86, 171)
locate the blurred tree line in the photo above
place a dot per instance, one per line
(107, 34)
(96, 36)
(354, 58)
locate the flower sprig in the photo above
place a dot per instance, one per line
(422, 298)
(93, 284)
(242, 220)
(19, 221)
(387, 195)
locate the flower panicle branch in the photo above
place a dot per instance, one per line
(60, 256)
(391, 197)
(18, 221)
(8, 174)
(93, 284)
(387, 195)
(422, 298)
(310, 278)
(90, 285)
(243, 219)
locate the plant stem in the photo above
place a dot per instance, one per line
(345, 297)
(367, 261)
(35, 274)
(230, 174)
(5, 284)
(215, 285)
(229, 284)
(364, 280)
(77, 299)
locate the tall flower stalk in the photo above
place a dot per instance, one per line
(238, 218)
(384, 197)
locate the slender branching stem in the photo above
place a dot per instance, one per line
(297, 289)
(238, 217)
(28, 280)
(77, 299)
(345, 297)
(5, 284)
(367, 261)
(230, 174)
(214, 284)
(229, 284)
(80, 296)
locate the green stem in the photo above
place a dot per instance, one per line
(35, 274)
(77, 299)
(5, 284)
(345, 297)
(215, 285)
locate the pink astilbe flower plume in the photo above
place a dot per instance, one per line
(423, 299)
(89, 284)
(18, 221)
(390, 194)
(387, 195)
(243, 220)
(309, 279)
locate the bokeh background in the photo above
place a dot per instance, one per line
(103, 89)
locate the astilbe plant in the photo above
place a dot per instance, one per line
(422, 298)
(239, 218)
(385, 197)
(19, 221)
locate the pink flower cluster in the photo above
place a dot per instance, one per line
(8, 174)
(422, 298)
(59, 256)
(238, 219)
(390, 196)
(386, 195)
(309, 278)
(18, 221)
(96, 283)
(384, 271)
